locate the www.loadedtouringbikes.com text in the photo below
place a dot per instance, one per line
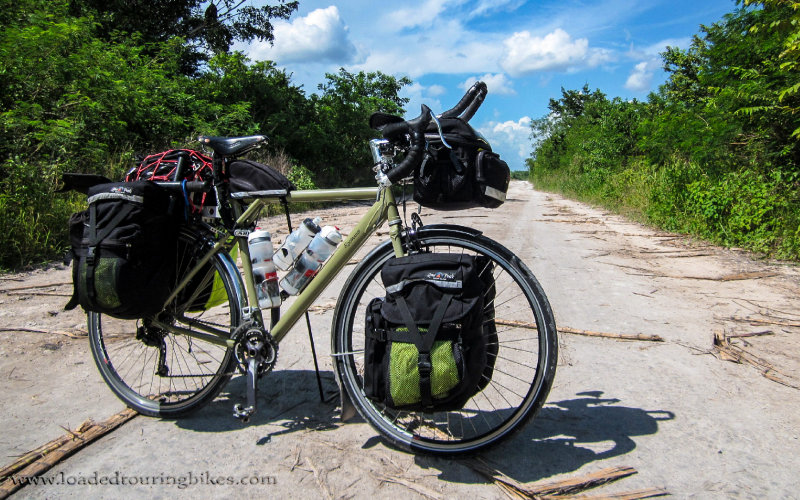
(119, 479)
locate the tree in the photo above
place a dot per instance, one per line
(208, 27)
(343, 110)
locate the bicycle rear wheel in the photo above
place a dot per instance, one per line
(525, 352)
(159, 372)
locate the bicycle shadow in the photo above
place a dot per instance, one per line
(563, 437)
(288, 401)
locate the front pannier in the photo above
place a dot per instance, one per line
(425, 346)
(466, 176)
(124, 249)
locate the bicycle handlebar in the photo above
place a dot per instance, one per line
(415, 131)
(469, 104)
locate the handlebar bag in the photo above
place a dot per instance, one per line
(466, 176)
(426, 345)
(124, 249)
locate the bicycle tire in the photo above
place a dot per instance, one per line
(128, 353)
(516, 391)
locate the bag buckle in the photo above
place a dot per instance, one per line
(424, 364)
(90, 256)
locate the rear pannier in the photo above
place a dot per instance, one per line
(124, 249)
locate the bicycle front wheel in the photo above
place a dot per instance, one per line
(157, 371)
(524, 351)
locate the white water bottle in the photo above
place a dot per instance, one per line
(295, 243)
(264, 274)
(321, 247)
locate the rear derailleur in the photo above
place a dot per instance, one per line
(256, 353)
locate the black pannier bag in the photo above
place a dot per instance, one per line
(124, 249)
(466, 176)
(425, 345)
(249, 178)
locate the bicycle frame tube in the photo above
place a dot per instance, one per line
(382, 210)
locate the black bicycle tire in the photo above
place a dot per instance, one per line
(346, 367)
(151, 407)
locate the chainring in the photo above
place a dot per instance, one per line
(254, 341)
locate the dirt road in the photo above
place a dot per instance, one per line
(686, 420)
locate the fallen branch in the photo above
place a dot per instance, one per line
(587, 333)
(729, 352)
(45, 457)
(750, 334)
(758, 321)
(47, 294)
(323, 485)
(408, 484)
(560, 487)
(32, 287)
(628, 495)
(71, 335)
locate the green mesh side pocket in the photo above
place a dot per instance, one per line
(404, 374)
(105, 282)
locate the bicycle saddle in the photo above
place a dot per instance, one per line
(232, 146)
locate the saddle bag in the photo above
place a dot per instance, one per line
(426, 345)
(466, 176)
(124, 249)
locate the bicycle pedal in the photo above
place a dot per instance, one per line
(243, 413)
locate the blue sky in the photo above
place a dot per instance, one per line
(524, 50)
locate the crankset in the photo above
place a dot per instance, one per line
(256, 353)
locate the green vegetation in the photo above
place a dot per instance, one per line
(88, 85)
(715, 152)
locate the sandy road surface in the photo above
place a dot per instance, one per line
(686, 420)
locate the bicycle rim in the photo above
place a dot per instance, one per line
(160, 373)
(523, 370)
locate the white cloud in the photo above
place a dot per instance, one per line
(497, 84)
(512, 136)
(488, 6)
(321, 36)
(420, 94)
(419, 15)
(642, 75)
(556, 51)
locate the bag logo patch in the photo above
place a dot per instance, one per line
(121, 190)
(441, 276)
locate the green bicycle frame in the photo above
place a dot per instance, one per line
(382, 210)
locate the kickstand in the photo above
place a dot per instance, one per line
(308, 317)
(314, 354)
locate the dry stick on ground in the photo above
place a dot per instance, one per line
(323, 485)
(730, 352)
(77, 335)
(48, 294)
(587, 333)
(561, 487)
(408, 484)
(627, 495)
(50, 454)
(766, 321)
(31, 287)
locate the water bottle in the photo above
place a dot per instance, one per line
(321, 247)
(295, 243)
(264, 274)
